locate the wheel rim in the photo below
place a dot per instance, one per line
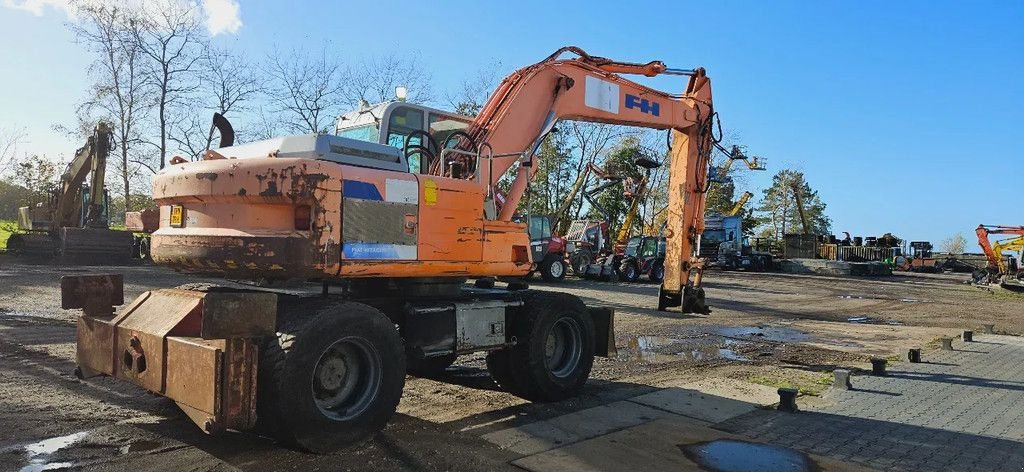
(346, 378)
(557, 269)
(563, 347)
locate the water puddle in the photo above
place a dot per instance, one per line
(870, 320)
(660, 349)
(38, 454)
(726, 455)
(764, 333)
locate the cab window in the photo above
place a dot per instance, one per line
(368, 132)
(540, 227)
(650, 248)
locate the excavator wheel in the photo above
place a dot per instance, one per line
(555, 349)
(331, 378)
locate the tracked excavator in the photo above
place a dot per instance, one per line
(393, 223)
(73, 225)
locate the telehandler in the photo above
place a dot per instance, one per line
(393, 217)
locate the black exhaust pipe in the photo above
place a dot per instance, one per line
(227, 133)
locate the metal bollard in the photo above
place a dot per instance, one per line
(914, 355)
(787, 399)
(878, 366)
(842, 379)
(947, 344)
(968, 336)
(989, 328)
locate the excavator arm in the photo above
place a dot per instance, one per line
(90, 161)
(993, 252)
(739, 204)
(528, 103)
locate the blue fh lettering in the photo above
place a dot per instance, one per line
(645, 106)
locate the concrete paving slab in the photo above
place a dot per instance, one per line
(573, 427)
(657, 445)
(695, 404)
(531, 438)
(734, 389)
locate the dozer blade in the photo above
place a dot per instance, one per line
(95, 246)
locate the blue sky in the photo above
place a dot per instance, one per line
(906, 116)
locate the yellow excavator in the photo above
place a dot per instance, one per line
(74, 223)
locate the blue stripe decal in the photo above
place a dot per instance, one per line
(358, 189)
(354, 250)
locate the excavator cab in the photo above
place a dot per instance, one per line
(404, 125)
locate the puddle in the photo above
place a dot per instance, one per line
(870, 320)
(659, 349)
(139, 446)
(764, 333)
(38, 454)
(726, 455)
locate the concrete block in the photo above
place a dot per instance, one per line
(787, 399)
(842, 379)
(878, 366)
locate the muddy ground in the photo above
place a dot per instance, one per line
(772, 329)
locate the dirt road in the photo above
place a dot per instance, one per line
(770, 329)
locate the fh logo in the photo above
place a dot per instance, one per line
(645, 106)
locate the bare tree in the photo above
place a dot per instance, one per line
(375, 80)
(590, 141)
(227, 84)
(306, 91)
(9, 141)
(475, 91)
(119, 92)
(954, 244)
(172, 41)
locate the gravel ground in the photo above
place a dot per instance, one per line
(765, 328)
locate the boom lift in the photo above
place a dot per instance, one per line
(397, 239)
(74, 223)
(998, 270)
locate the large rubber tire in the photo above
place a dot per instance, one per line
(629, 272)
(580, 261)
(553, 268)
(554, 352)
(431, 367)
(307, 393)
(657, 273)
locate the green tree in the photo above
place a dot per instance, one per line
(38, 175)
(620, 162)
(779, 206)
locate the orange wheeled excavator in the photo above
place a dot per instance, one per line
(393, 214)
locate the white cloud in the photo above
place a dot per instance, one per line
(222, 16)
(38, 7)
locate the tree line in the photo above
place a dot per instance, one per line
(157, 78)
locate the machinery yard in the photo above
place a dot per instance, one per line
(766, 330)
(304, 241)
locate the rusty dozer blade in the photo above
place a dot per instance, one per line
(194, 347)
